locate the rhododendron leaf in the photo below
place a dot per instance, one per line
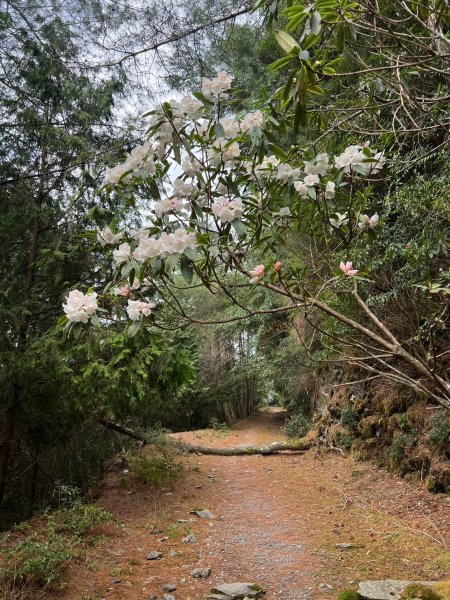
(132, 275)
(76, 330)
(126, 268)
(186, 269)
(133, 328)
(286, 41)
(239, 228)
(95, 320)
(220, 133)
(203, 98)
(316, 20)
(61, 321)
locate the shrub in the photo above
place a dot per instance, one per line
(214, 423)
(297, 426)
(439, 432)
(37, 561)
(349, 417)
(396, 452)
(160, 468)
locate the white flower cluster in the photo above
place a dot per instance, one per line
(217, 87)
(166, 244)
(106, 236)
(140, 157)
(167, 205)
(191, 166)
(227, 210)
(79, 307)
(353, 156)
(366, 222)
(136, 308)
(232, 127)
(122, 254)
(182, 188)
(224, 151)
(251, 120)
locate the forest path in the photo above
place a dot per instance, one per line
(278, 522)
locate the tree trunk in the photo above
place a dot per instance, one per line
(299, 446)
(9, 426)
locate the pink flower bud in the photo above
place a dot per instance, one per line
(278, 266)
(347, 269)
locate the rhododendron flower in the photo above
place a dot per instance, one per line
(125, 291)
(140, 157)
(227, 210)
(347, 269)
(255, 119)
(177, 242)
(230, 127)
(79, 307)
(106, 236)
(148, 248)
(277, 266)
(135, 308)
(301, 188)
(311, 180)
(367, 222)
(191, 166)
(182, 188)
(330, 190)
(285, 211)
(257, 274)
(319, 166)
(190, 106)
(341, 219)
(167, 205)
(285, 171)
(122, 254)
(215, 88)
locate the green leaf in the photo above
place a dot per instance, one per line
(239, 228)
(286, 41)
(315, 23)
(95, 320)
(133, 328)
(186, 269)
(62, 321)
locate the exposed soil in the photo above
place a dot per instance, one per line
(277, 522)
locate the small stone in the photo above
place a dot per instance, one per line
(168, 587)
(201, 573)
(174, 553)
(154, 555)
(169, 597)
(128, 584)
(205, 513)
(117, 580)
(344, 546)
(189, 539)
(153, 597)
(325, 587)
(183, 580)
(236, 591)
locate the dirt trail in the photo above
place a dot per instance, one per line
(278, 520)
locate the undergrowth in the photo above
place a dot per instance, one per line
(34, 562)
(297, 426)
(161, 468)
